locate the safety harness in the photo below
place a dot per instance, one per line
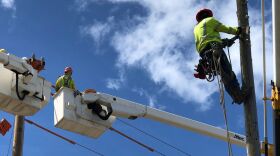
(205, 68)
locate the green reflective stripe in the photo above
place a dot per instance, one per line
(209, 38)
(204, 29)
(61, 82)
(65, 82)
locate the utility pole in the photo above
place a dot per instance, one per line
(276, 85)
(18, 136)
(250, 109)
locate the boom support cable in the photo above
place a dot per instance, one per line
(150, 135)
(62, 137)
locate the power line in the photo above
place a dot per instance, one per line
(150, 135)
(62, 137)
(137, 142)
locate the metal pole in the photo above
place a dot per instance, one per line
(18, 136)
(264, 83)
(250, 109)
(276, 63)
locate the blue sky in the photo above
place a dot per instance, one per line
(141, 50)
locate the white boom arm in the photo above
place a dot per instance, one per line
(128, 109)
(17, 64)
(22, 91)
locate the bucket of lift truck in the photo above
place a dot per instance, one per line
(72, 114)
(33, 89)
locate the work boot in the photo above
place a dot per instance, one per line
(237, 98)
(242, 95)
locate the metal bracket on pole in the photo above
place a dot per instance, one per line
(270, 148)
(275, 98)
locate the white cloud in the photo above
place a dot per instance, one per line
(98, 31)
(156, 45)
(9, 4)
(113, 84)
(116, 83)
(152, 100)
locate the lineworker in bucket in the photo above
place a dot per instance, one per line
(65, 80)
(2, 51)
(206, 33)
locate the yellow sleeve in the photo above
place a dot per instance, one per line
(58, 84)
(72, 85)
(226, 29)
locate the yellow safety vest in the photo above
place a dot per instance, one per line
(2, 51)
(207, 31)
(64, 81)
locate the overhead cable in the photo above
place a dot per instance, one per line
(137, 142)
(62, 137)
(158, 139)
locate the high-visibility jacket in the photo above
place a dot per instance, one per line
(65, 81)
(207, 31)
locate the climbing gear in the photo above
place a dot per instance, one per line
(200, 68)
(68, 69)
(203, 13)
(205, 68)
(4, 126)
(218, 69)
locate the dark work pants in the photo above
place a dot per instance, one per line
(227, 75)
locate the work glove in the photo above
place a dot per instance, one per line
(239, 31)
(227, 42)
(76, 92)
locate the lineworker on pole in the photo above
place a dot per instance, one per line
(207, 37)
